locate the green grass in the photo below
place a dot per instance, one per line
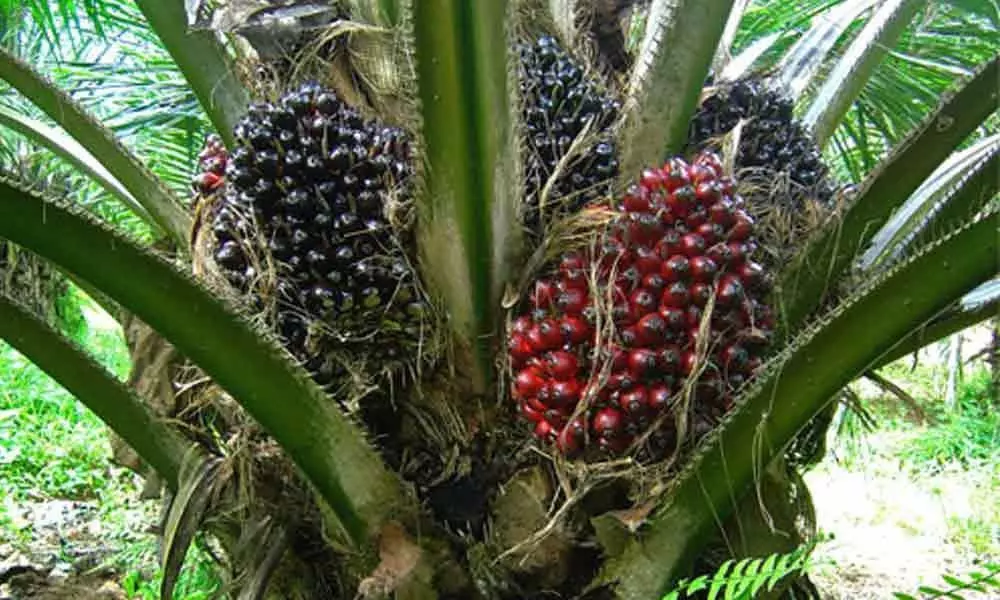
(52, 447)
(968, 434)
(198, 579)
(979, 534)
(959, 445)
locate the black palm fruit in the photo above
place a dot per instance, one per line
(309, 190)
(558, 102)
(774, 148)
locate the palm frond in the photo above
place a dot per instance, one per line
(855, 67)
(804, 60)
(59, 21)
(945, 44)
(119, 70)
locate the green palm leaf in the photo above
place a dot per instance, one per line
(331, 452)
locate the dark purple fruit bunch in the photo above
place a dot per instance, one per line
(772, 143)
(558, 102)
(677, 281)
(311, 185)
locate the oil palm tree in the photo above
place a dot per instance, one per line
(342, 440)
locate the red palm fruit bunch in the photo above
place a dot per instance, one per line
(666, 311)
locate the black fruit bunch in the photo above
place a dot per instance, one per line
(559, 102)
(775, 152)
(310, 216)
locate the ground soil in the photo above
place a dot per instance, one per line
(891, 530)
(62, 549)
(890, 533)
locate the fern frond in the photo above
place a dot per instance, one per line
(743, 579)
(977, 581)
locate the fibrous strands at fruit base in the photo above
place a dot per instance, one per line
(306, 217)
(676, 281)
(562, 106)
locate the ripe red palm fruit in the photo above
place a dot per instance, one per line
(729, 292)
(636, 199)
(742, 229)
(642, 363)
(681, 200)
(528, 383)
(696, 217)
(659, 396)
(574, 330)
(654, 282)
(565, 394)
(652, 330)
(677, 295)
(571, 439)
(608, 423)
(529, 413)
(700, 294)
(634, 402)
(722, 213)
(647, 261)
(521, 325)
(561, 365)
(544, 430)
(572, 301)
(676, 268)
(207, 182)
(573, 272)
(544, 294)
(212, 161)
(520, 350)
(711, 232)
(692, 245)
(675, 318)
(680, 239)
(643, 302)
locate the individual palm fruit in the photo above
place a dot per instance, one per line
(774, 149)
(310, 189)
(559, 102)
(212, 163)
(686, 310)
